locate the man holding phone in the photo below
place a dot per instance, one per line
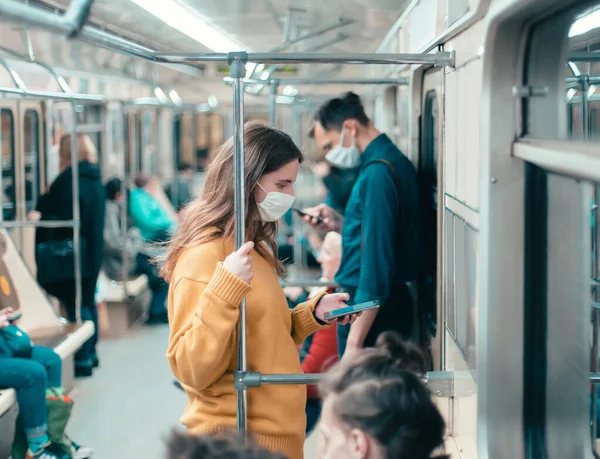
(380, 228)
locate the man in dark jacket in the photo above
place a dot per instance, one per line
(57, 204)
(380, 226)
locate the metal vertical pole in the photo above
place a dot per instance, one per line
(76, 211)
(1, 175)
(585, 103)
(273, 85)
(300, 257)
(124, 200)
(238, 71)
(585, 86)
(193, 133)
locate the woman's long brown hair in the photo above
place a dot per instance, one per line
(211, 216)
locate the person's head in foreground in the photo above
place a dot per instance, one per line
(222, 446)
(376, 407)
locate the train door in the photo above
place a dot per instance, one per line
(91, 120)
(184, 141)
(114, 159)
(134, 162)
(430, 183)
(142, 128)
(149, 142)
(8, 120)
(29, 174)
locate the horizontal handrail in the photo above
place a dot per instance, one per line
(41, 224)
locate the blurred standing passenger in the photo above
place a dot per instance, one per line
(380, 228)
(319, 351)
(179, 190)
(57, 204)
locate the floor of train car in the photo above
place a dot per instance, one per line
(130, 405)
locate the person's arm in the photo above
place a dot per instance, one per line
(204, 314)
(378, 260)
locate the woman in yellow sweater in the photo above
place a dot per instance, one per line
(208, 280)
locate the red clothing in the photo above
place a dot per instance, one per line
(322, 354)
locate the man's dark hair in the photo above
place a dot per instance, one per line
(332, 114)
(113, 187)
(221, 446)
(184, 166)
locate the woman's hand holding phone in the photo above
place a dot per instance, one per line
(331, 302)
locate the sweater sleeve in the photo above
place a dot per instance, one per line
(203, 311)
(303, 319)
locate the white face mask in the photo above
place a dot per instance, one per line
(344, 157)
(274, 206)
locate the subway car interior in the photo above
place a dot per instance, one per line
(495, 102)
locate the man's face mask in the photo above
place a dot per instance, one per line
(344, 157)
(274, 206)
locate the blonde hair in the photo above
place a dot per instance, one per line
(211, 216)
(86, 151)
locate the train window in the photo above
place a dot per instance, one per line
(31, 130)
(148, 147)
(139, 126)
(177, 139)
(455, 10)
(90, 115)
(217, 136)
(9, 199)
(89, 121)
(449, 273)
(460, 274)
(404, 96)
(470, 345)
(390, 112)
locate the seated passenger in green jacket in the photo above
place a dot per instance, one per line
(146, 213)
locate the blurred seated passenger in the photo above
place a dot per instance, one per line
(179, 190)
(35, 373)
(221, 446)
(376, 407)
(139, 254)
(319, 351)
(329, 256)
(146, 213)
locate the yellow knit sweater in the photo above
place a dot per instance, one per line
(204, 303)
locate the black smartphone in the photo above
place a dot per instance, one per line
(304, 214)
(12, 319)
(336, 313)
